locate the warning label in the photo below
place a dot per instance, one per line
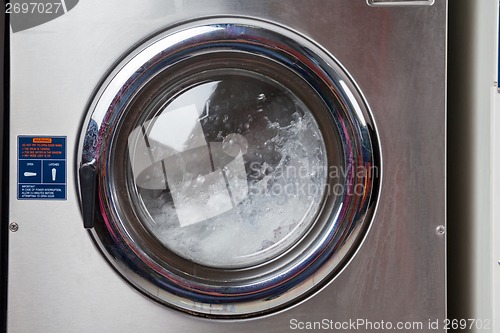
(41, 168)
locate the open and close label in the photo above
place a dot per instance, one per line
(41, 167)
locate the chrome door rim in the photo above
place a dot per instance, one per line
(288, 279)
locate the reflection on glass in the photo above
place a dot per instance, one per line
(230, 172)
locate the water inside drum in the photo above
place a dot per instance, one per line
(231, 172)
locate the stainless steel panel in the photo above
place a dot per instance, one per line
(59, 282)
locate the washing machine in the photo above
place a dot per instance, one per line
(222, 166)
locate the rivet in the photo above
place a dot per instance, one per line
(13, 227)
(440, 230)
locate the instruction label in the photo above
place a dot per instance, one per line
(41, 168)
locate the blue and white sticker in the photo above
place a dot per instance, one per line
(41, 168)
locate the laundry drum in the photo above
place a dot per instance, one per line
(229, 167)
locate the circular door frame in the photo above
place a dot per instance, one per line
(346, 221)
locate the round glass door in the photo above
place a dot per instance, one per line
(236, 168)
(229, 172)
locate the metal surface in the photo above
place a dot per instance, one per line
(471, 86)
(397, 57)
(495, 210)
(4, 165)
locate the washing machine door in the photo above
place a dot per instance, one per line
(228, 167)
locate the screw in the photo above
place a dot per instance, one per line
(14, 227)
(440, 230)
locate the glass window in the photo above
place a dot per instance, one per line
(230, 172)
